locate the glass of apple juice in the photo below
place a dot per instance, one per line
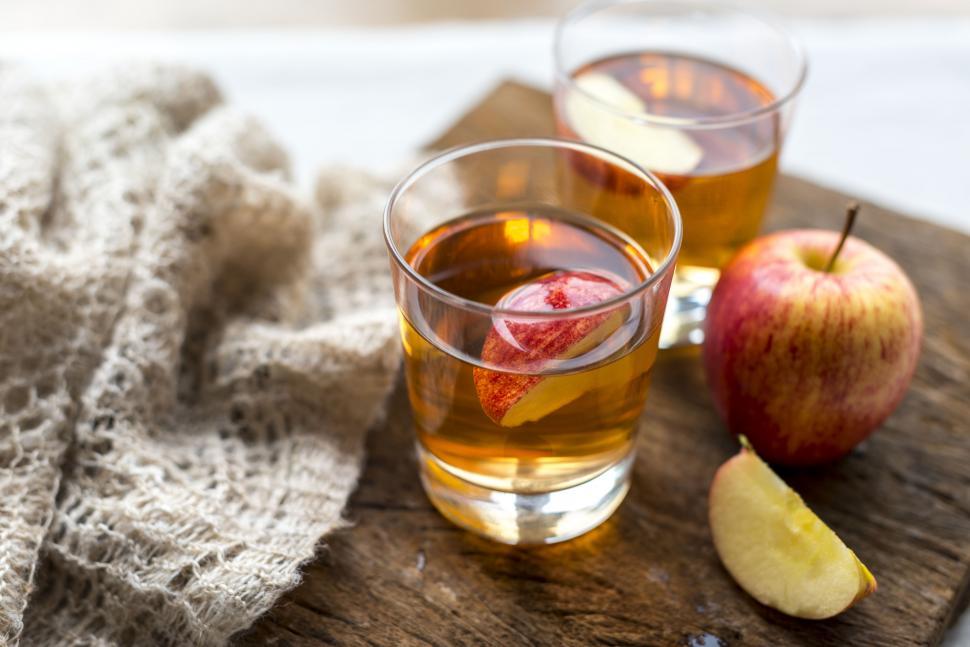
(529, 317)
(701, 95)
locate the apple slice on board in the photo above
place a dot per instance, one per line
(776, 548)
(526, 346)
(653, 147)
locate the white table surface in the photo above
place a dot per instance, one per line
(885, 114)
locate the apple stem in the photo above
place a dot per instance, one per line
(851, 211)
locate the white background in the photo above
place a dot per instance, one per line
(885, 114)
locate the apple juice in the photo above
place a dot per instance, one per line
(514, 427)
(720, 176)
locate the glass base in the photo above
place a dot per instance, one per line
(522, 519)
(690, 293)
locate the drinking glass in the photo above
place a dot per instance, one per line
(530, 296)
(699, 94)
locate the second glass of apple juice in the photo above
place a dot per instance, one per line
(529, 317)
(697, 93)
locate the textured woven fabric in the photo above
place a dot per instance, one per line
(189, 358)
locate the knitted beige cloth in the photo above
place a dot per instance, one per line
(189, 357)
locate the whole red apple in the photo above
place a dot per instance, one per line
(808, 361)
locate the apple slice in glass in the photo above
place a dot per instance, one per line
(654, 147)
(776, 548)
(523, 347)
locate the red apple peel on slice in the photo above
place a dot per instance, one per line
(522, 347)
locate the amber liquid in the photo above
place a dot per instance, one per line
(483, 257)
(722, 200)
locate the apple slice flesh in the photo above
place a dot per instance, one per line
(513, 396)
(776, 548)
(654, 147)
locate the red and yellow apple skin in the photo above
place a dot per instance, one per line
(808, 363)
(512, 396)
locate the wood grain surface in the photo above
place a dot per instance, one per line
(403, 575)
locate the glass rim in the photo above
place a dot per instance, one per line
(465, 150)
(591, 7)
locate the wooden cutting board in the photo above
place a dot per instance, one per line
(402, 575)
